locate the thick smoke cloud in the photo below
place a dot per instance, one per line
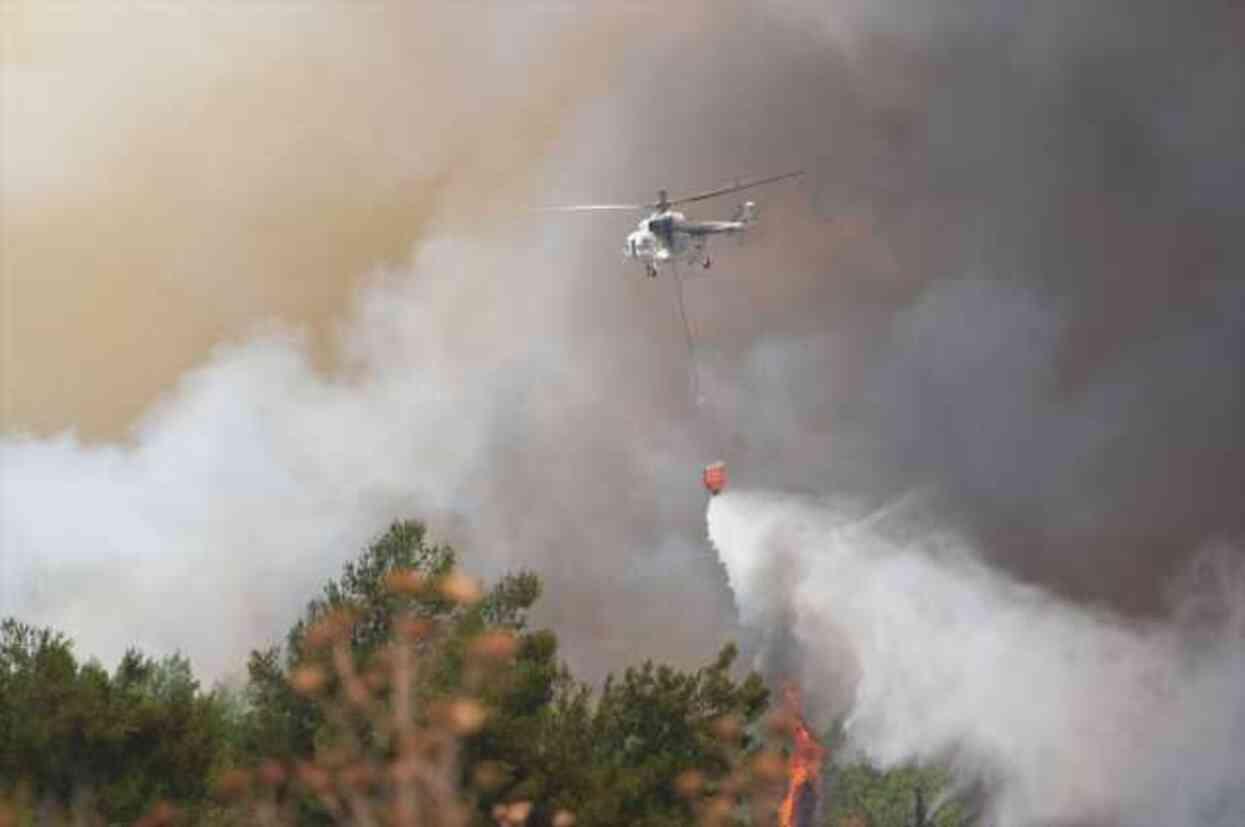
(1032, 300)
(1011, 279)
(1065, 715)
(177, 174)
(455, 394)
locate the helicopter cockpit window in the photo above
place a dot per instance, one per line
(661, 226)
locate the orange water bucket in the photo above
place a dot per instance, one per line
(715, 477)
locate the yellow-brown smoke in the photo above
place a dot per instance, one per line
(176, 174)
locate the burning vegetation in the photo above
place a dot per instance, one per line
(800, 805)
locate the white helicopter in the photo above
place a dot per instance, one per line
(669, 236)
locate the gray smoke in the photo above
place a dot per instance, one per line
(1012, 278)
(1026, 292)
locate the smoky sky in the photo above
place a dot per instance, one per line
(1049, 331)
(1010, 279)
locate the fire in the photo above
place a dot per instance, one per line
(800, 803)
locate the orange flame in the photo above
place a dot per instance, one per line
(805, 773)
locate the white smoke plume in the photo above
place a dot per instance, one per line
(1069, 715)
(244, 490)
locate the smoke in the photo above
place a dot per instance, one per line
(268, 284)
(1023, 291)
(285, 233)
(1070, 715)
(175, 175)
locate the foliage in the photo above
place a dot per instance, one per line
(614, 759)
(144, 733)
(399, 575)
(405, 694)
(909, 796)
(546, 738)
(653, 725)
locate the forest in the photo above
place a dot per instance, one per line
(410, 694)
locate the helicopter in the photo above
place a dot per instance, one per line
(667, 236)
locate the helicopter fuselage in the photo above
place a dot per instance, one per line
(666, 236)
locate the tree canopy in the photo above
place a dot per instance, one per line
(144, 733)
(402, 627)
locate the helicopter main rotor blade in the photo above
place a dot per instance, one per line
(736, 187)
(595, 208)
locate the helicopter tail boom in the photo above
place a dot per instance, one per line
(746, 213)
